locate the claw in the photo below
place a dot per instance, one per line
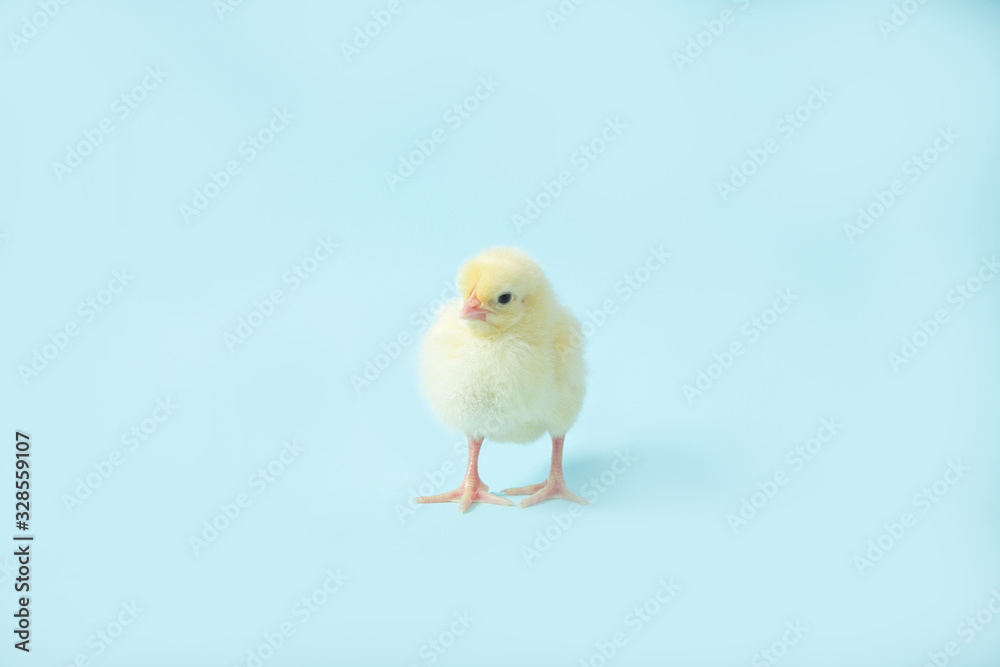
(465, 495)
(553, 487)
(523, 490)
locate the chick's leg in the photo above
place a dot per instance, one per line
(472, 489)
(553, 487)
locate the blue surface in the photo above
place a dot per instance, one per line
(259, 286)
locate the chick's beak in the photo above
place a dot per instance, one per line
(471, 309)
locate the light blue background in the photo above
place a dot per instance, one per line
(338, 505)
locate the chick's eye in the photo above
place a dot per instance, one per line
(504, 298)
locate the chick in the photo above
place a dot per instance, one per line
(504, 363)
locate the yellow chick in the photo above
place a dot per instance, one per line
(504, 363)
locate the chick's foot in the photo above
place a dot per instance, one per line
(466, 494)
(472, 489)
(553, 487)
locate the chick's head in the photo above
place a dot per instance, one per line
(503, 288)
